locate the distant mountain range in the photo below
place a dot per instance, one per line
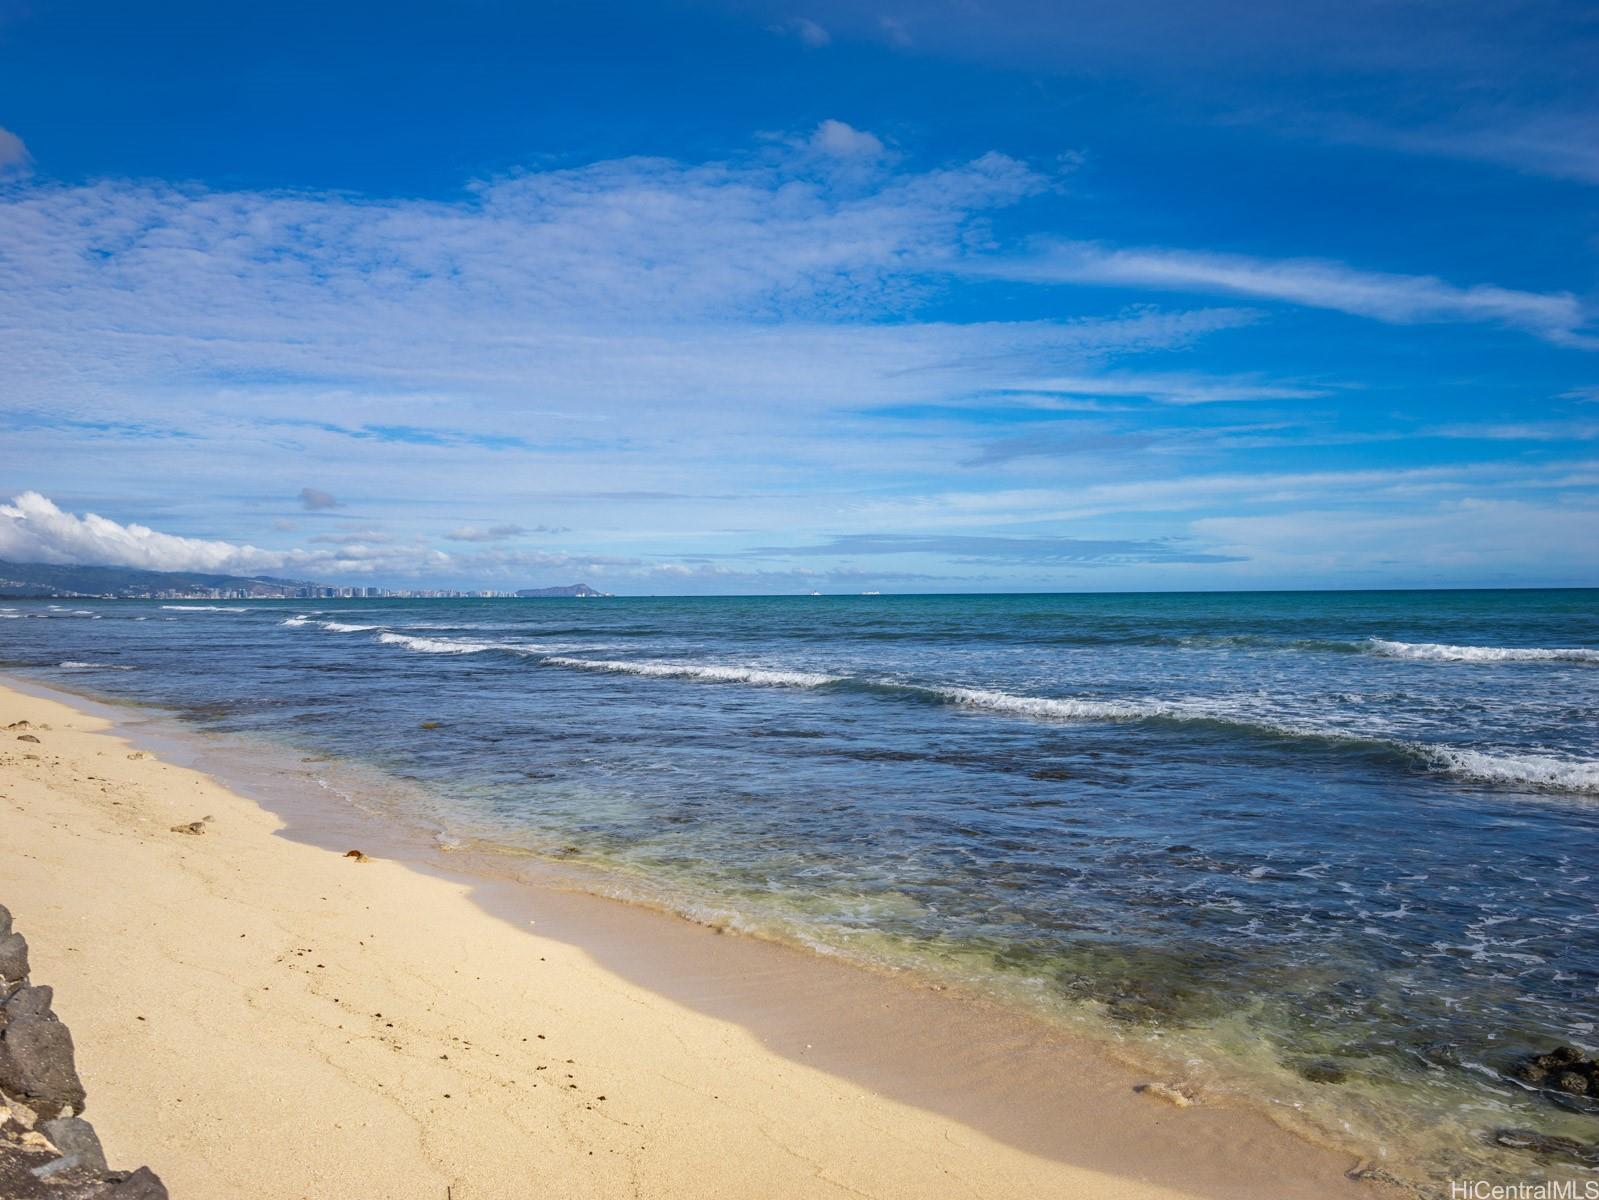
(580, 590)
(54, 581)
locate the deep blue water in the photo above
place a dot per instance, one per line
(1263, 834)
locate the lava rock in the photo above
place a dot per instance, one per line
(36, 1066)
(5, 921)
(75, 1136)
(1562, 1056)
(30, 1000)
(1571, 1083)
(1560, 1074)
(141, 1185)
(13, 957)
(1530, 1072)
(1323, 1071)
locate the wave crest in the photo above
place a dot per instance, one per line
(426, 645)
(705, 671)
(1545, 772)
(1536, 770)
(1440, 652)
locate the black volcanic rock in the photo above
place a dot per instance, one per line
(30, 1000)
(36, 1066)
(47, 1151)
(13, 958)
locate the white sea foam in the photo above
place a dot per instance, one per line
(424, 645)
(202, 608)
(1535, 770)
(1437, 652)
(300, 620)
(1525, 770)
(93, 666)
(706, 671)
(1059, 709)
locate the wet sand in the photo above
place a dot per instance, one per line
(258, 1016)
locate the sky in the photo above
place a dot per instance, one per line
(744, 296)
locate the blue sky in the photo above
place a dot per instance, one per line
(760, 297)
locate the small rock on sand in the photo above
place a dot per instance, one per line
(26, 737)
(139, 756)
(356, 854)
(1168, 1092)
(191, 827)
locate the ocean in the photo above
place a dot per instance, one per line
(1335, 853)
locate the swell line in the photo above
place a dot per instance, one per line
(1528, 770)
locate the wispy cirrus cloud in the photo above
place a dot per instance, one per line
(968, 547)
(811, 33)
(1397, 299)
(499, 533)
(1171, 388)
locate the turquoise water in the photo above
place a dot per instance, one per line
(1335, 851)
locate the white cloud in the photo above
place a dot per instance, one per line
(477, 533)
(1398, 299)
(14, 156)
(1556, 143)
(1471, 537)
(839, 140)
(316, 500)
(1169, 388)
(806, 30)
(33, 529)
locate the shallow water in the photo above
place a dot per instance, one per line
(1261, 836)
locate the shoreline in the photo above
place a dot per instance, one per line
(965, 1091)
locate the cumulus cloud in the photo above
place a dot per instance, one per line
(1397, 299)
(839, 140)
(33, 529)
(14, 156)
(316, 500)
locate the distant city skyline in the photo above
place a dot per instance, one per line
(714, 297)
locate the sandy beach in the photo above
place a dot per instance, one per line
(257, 1015)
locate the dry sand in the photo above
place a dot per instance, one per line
(257, 1016)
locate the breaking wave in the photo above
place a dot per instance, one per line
(201, 608)
(1539, 771)
(1437, 652)
(706, 671)
(427, 645)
